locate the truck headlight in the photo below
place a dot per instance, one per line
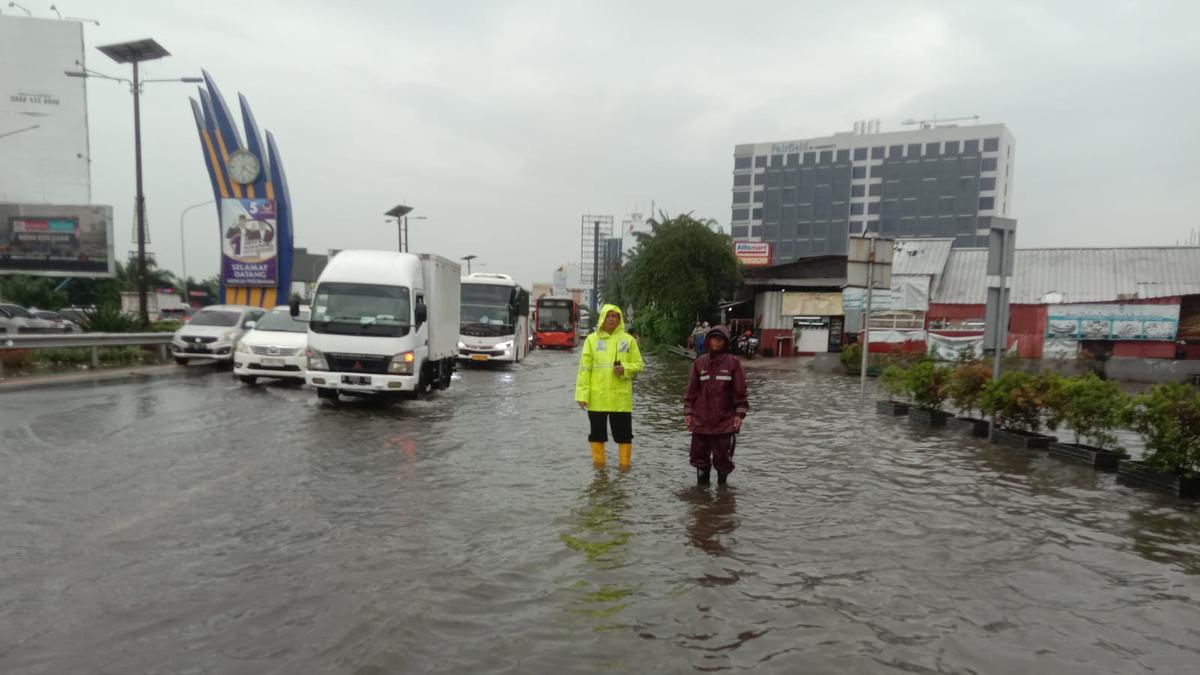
(316, 360)
(402, 364)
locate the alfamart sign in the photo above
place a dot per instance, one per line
(753, 253)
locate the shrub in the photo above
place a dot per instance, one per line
(851, 358)
(966, 386)
(1090, 406)
(109, 319)
(1168, 419)
(926, 384)
(164, 326)
(16, 359)
(892, 381)
(1016, 400)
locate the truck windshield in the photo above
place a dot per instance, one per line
(554, 316)
(487, 305)
(361, 309)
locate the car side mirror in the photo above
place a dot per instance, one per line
(294, 308)
(249, 324)
(421, 312)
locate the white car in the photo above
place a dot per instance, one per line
(274, 348)
(61, 323)
(213, 333)
(23, 321)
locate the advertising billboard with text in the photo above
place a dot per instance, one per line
(250, 242)
(44, 151)
(54, 240)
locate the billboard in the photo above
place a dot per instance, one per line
(43, 113)
(1112, 322)
(249, 242)
(752, 253)
(48, 239)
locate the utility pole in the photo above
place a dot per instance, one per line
(866, 352)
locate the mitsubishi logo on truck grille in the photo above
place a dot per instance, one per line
(357, 365)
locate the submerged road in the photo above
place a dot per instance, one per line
(194, 525)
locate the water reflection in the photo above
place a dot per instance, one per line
(597, 530)
(1165, 535)
(712, 517)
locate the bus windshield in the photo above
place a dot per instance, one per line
(361, 309)
(487, 305)
(554, 316)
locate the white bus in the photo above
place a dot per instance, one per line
(494, 325)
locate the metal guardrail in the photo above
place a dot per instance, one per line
(92, 341)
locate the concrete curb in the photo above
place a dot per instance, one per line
(113, 376)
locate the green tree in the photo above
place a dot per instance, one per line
(31, 291)
(679, 272)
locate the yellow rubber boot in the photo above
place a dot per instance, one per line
(626, 450)
(598, 454)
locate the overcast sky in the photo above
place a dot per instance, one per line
(504, 122)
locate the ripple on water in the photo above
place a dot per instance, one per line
(202, 527)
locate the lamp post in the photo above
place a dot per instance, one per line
(469, 258)
(183, 247)
(134, 53)
(400, 213)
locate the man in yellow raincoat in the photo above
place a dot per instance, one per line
(604, 386)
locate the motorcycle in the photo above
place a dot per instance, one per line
(747, 345)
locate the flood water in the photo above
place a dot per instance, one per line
(193, 525)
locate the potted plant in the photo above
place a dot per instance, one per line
(891, 380)
(926, 384)
(1092, 408)
(1015, 402)
(965, 391)
(1168, 419)
(851, 358)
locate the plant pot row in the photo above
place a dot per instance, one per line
(1129, 472)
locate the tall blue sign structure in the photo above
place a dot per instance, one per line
(253, 205)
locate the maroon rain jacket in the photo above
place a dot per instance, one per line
(716, 390)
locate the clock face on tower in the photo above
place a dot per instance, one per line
(243, 166)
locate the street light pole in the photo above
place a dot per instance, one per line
(469, 258)
(140, 200)
(183, 247)
(134, 53)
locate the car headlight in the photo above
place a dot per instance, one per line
(402, 364)
(242, 348)
(316, 360)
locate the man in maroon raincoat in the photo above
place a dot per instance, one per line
(714, 407)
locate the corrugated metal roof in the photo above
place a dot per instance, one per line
(924, 256)
(1071, 275)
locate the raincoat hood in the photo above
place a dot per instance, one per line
(718, 330)
(604, 314)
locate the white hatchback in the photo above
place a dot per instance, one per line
(274, 348)
(213, 333)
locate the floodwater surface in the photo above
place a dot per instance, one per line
(194, 525)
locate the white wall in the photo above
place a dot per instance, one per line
(42, 165)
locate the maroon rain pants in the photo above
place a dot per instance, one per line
(713, 450)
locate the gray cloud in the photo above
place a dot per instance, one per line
(504, 122)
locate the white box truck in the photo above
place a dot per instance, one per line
(383, 322)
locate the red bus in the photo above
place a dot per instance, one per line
(555, 323)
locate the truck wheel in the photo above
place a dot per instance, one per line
(180, 362)
(327, 393)
(445, 373)
(248, 379)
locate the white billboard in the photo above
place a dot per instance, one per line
(43, 113)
